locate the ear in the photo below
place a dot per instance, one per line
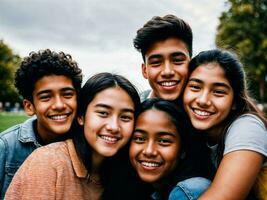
(28, 107)
(80, 120)
(144, 70)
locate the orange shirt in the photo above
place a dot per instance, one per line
(53, 172)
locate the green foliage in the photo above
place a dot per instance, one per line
(243, 28)
(8, 65)
(9, 119)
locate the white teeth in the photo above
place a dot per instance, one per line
(202, 113)
(150, 164)
(110, 139)
(58, 117)
(168, 84)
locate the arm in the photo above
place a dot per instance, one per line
(235, 176)
(2, 164)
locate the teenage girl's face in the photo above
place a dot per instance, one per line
(155, 146)
(108, 121)
(208, 97)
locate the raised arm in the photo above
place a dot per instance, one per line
(235, 176)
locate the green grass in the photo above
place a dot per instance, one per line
(9, 119)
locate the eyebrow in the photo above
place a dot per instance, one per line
(102, 105)
(49, 90)
(163, 133)
(140, 131)
(179, 54)
(172, 54)
(218, 84)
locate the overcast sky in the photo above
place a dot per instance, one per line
(99, 33)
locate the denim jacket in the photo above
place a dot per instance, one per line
(16, 144)
(189, 189)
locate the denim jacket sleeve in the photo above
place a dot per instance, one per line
(2, 163)
(189, 189)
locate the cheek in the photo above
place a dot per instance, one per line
(133, 151)
(127, 129)
(187, 97)
(184, 71)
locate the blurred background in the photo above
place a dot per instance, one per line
(99, 36)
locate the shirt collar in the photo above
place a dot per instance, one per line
(78, 166)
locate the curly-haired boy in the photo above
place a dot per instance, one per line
(48, 82)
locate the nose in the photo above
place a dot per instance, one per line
(167, 70)
(204, 99)
(150, 149)
(113, 125)
(59, 104)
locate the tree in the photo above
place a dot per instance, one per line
(8, 65)
(243, 28)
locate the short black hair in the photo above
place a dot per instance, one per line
(160, 28)
(44, 63)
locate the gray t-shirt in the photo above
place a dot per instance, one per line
(247, 132)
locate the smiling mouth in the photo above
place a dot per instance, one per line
(109, 139)
(59, 117)
(201, 114)
(169, 83)
(150, 164)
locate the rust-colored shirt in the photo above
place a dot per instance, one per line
(53, 172)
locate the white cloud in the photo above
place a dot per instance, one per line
(99, 34)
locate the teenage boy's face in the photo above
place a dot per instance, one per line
(55, 105)
(166, 68)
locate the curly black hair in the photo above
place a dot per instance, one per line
(43, 63)
(161, 28)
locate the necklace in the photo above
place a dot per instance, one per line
(93, 180)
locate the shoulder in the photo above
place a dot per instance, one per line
(247, 132)
(190, 188)
(54, 154)
(18, 129)
(248, 118)
(144, 95)
(247, 124)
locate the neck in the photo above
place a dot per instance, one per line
(214, 134)
(97, 161)
(43, 137)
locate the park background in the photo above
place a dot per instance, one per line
(99, 36)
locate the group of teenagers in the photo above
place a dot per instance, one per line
(196, 134)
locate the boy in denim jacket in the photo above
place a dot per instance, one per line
(49, 83)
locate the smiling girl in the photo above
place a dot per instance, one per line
(159, 152)
(217, 101)
(80, 168)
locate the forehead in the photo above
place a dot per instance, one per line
(167, 46)
(156, 121)
(53, 82)
(115, 97)
(210, 72)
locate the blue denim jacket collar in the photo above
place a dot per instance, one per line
(26, 133)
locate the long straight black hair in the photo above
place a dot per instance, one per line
(91, 88)
(196, 161)
(235, 74)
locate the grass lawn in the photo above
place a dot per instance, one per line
(9, 119)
